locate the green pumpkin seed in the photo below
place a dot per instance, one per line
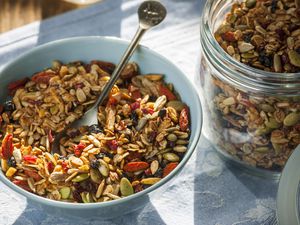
(86, 197)
(177, 105)
(267, 108)
(126, 187)
(65, 192)
(250, 3)
(80, 177)
(272, 123)
(172, 137)
(95, 176)
(262, 130)
(180, 148)
(291, 119)
(262, 149)
(150, 180)
(294, 58)
(172, 157)
(103, 169)
(277, 148)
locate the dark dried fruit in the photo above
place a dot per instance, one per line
(162, 113)
(100, 155)
(11, 162)
(9, 106)
(94, 164)
(265, 60)
(135, 118)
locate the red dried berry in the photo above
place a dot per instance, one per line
(30, 159)
(7, 147)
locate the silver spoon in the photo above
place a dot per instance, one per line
(150, 13)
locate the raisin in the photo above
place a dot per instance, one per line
(9, 106)
(77, 196)
(94, 164)
(159, 172)
(298, 50)
(95, 129)
(11, 162)
(152, 98)
(273, 6)
(134, 117)
(265, 60)
(162, 113)
(100, 155)
(247, 37)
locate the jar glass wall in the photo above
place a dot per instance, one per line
(253, 116)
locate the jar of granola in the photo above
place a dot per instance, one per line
(249, 79)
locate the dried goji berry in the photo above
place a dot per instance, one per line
(33, 174)
(136, 166)
(78, 149)
(138, 188)
(135, 105)
(7, 146)
(43, 77)
(30, 158)
(163, 90)
(169, 168)
(13, 86)
(113, 144)
(112, 101)
(50, 166)
(228, 36)
(64, 165)
(133, 156)
(184, 119)
(22, 184)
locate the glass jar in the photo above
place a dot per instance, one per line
(252, 116)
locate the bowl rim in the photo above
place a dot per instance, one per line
(191, 149)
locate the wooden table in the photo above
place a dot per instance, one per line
(16, 13)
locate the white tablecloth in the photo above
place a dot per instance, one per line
(209, 192)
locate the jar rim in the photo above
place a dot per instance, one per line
(223, 59)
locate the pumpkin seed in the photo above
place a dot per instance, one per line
(142, 122)
(80, 177)
(172, 157)
(250, 3)
(103, 168)
(126, 187)
(95, 176)
(262, 149)
(65, 192)
(150, 180)
(272, 123)
(177, 105)
(180, 148)
(100, 189)
(172, 137)
(267, 108)
(294, 58)
(291, 119)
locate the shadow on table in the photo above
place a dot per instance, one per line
(36, 215)
(225, 194)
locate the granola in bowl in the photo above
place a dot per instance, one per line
(142, 135)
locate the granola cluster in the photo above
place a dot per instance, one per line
(264, 34)
(142, 134)
(259, 129)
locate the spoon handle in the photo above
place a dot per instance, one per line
(125, 58)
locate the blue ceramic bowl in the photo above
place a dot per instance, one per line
(107, 49)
